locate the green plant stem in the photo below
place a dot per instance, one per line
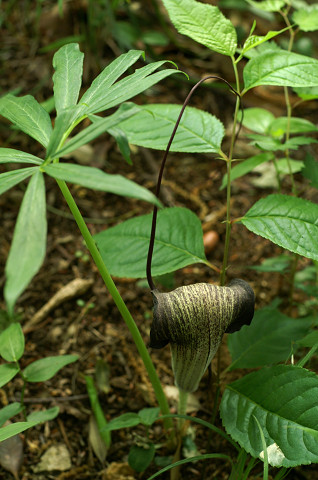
(228, 186)
(110, 285)
(182, 406)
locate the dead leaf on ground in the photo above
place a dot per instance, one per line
(11, 454)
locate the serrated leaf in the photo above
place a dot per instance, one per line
(67, 79)
(9, 411)
(247, 166)
(306, 18)
(281, 68)
(268, 340)
(178, 243)
(310, 170)
(203, 23)
(29, 241)
(7, 372)
(283, 398)
(12, 343)
(152, 126)
(28, 115)
(10, 155)
(45, 368)
(96, 179)
(255, 40)
(267, 5)
(12, 178)
(290, 222)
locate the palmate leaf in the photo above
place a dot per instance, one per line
(152, 126)
(287, 221)
(204, 24)
(28, 115)
(94, 178)
(283, 399)
(178, 243)
(29, 241)
(68, 64)
(281, 68)
(267, 340)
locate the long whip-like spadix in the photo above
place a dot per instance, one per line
(163, 163)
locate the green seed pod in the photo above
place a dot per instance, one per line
(193, 320)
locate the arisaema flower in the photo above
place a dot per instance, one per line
(193, 320)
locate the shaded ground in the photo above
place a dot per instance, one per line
(90, 324)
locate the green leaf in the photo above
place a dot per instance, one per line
(290, 222)
(9, 411)
(242, 168)
(152, 126)
(204, 24)
(28, 115)
(33, 419)
(128, 87)
(268, 340)
(149, 415)
(7, 372)
(91, 177)
(310, 170)
(283, 398)
(122, 143)
(278, 264)
(29, 241)
(12, 178)
(280, 125)
(14, 429)
(282, 69)
(63, 123)
(267, 5)
(45, 368)
(286, 165)
(257, 119)
(100, 87)
(178, 243)
(43, 415)
(126, 420)
(254, 40)
(306, 18)
(10, 155)
(309, 93)
(68, 64)
(99, 126)
(140, 457)
(12, 343)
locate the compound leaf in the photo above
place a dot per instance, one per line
(12, 178)
(10, 155)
